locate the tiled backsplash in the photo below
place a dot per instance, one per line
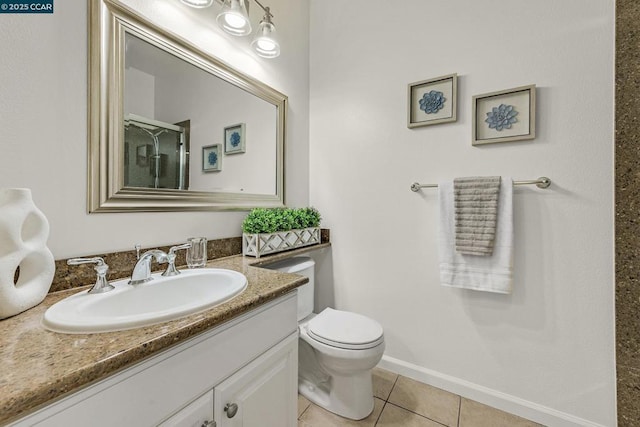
(121, 263)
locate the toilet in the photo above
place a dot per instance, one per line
(336, 350)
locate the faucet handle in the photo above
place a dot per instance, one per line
(171, 259)
(95, 260)
(101, 268)
(137, 247)
(173, 249)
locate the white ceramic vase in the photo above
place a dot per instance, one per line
(23, 243)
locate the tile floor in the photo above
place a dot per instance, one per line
(403, 402)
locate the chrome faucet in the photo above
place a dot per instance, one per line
(142, 270)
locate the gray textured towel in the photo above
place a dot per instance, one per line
(476, 213)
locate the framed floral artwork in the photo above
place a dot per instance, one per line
(432, 101)
(212, 158)
(504, 116)
(234, 139)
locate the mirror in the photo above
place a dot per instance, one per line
(172, 128)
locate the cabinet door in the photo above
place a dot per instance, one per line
(198, 413)
(263, 393)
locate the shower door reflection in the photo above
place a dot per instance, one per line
(156, 154)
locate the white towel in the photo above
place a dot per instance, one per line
(482, 273)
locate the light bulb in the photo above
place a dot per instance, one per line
(199, 4)
(266, 44)
(234, 20)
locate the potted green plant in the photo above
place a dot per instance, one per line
(267, 231)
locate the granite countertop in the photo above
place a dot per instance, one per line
(39, 366)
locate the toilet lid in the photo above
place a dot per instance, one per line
(347, 330)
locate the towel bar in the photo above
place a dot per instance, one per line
(542, 182)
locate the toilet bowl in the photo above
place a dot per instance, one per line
(336, 351)
(345, 359)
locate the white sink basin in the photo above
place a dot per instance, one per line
(160, 300)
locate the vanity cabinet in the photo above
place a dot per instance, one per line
(248, 365)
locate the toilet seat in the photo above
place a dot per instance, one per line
(345, 330)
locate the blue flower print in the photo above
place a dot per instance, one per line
(213, 158)
(501, 117)
(234, 139)
(432, 101)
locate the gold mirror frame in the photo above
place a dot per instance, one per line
(108, 22)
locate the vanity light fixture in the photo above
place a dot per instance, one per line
(234, 20)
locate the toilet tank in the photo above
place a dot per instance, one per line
(305, 267)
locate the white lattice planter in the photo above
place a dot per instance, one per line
(258, 245)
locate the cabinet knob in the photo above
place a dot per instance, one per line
(231, 409)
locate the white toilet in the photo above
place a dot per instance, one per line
(337, 350)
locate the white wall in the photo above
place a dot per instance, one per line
(547, 350)
(43, 115)
(140, 93)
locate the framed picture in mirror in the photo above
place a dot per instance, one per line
(212, 158)
(234, 139)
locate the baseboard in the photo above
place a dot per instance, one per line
(505, 402)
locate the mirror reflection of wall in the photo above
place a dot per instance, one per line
(164, 88)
